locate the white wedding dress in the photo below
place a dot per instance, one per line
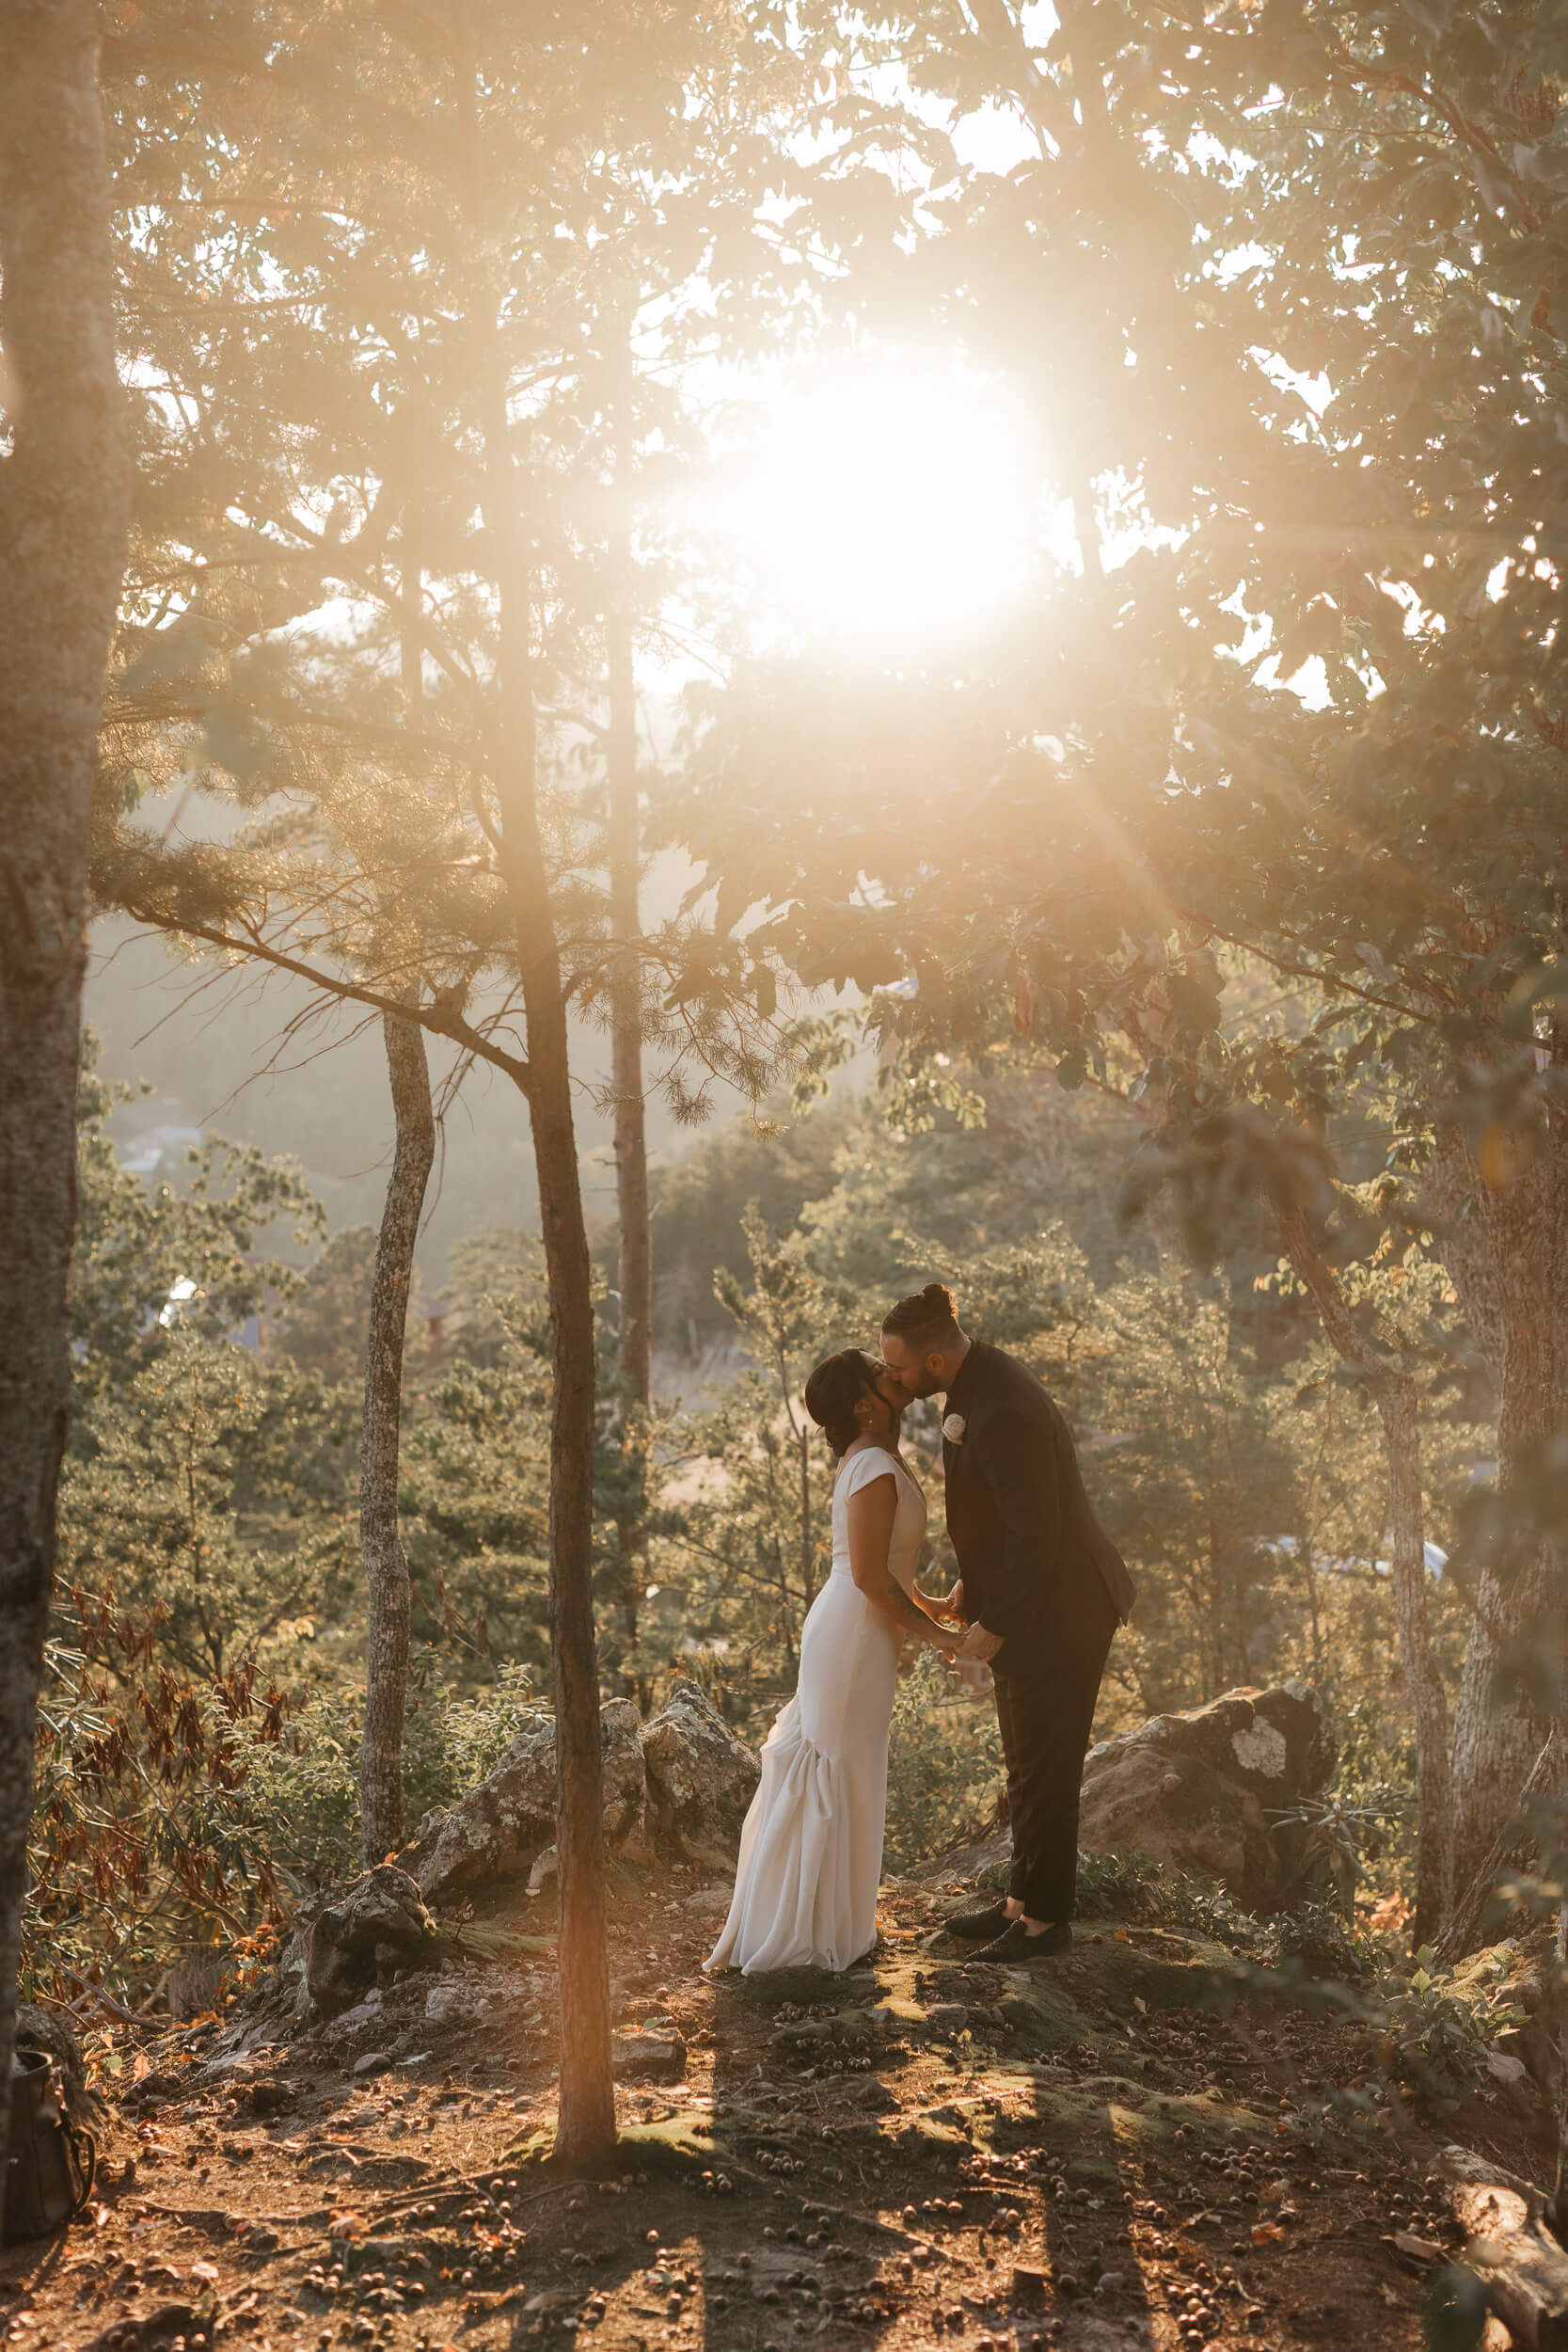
(811, 1852)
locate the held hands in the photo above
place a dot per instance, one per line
(978, 1644)
(952, 1609)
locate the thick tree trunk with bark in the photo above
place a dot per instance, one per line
(1398, 1412)
(380, 1535)
(62, 547)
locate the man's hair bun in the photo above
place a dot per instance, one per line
(927, 1319)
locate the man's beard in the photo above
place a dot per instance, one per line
(929, 1383)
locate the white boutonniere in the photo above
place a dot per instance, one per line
(953, 1428)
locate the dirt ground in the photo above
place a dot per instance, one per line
(1086, 2153)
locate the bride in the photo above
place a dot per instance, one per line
(811, 1852)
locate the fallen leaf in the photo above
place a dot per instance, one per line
(1140, 2005)
(1389, 2294)
(1422, 2247)
(1264, 2232)
(345, 2225)
(206, 2271)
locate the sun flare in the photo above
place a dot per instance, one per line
(890, 504)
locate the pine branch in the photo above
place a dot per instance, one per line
(440, 1017)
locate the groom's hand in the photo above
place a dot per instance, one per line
(978, 1644)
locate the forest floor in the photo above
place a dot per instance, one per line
(1098, 2152)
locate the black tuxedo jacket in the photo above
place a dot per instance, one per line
(1017, 1512)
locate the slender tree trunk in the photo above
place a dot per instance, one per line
(585, 2126)
(380, 1535)
(631, 1142)
(1398, 1411)
(411, 618)
(62, 549)
(1502, 1716)
(586, 2122)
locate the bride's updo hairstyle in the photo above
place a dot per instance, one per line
(833, 1392)
(929, 1320)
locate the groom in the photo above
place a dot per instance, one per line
(1042, 1589)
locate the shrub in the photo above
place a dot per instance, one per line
(305, 1791)
(944, 1766)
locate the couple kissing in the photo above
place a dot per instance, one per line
(1041, 1589)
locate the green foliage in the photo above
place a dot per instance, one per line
(1128, 1884)
(699, 1207)
(944, 1765)
(216, 1493)
(302, 1794)
(322, 1327)
(150, 1262)
(1437, 2025)
(1316, 1940)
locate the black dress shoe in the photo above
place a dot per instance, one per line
(979, 1925)
(1016, 1942)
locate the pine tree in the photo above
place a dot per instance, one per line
(62, 549)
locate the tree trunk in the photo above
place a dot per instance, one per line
(1502, 1716)
(585, 2127)
(1452, 1192)
(380, 1535)
(585, 2124)
(62, 549)
(1511, 1848)
(1398, 1411)
(631, 1144)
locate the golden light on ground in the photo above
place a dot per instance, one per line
(890, 504)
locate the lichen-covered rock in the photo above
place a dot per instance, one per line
(377, 1925)
(626, 1779)
(1202, 1789)
(701, 1778)
(680, 1784)
(499, 1829)
(654, 2054)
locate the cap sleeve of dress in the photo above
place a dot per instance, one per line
(875, 1462)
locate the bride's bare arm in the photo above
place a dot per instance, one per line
(870, 1512)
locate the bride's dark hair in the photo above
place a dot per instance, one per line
(833, 1392)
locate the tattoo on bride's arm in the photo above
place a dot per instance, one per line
(904, 1609)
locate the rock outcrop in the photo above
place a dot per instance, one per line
(1203, 1789)
(364, 1936)
(678, 1785)
(701, 1778)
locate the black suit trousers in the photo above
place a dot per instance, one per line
(1047, 1683)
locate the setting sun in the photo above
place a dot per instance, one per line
(887, 504)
